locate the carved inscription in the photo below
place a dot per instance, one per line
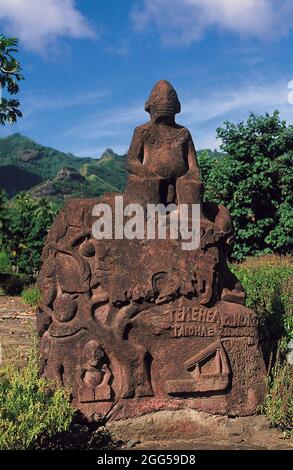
(193, 321)
(201, 321)
(245, 357)
(193, 330)
(239, 332)
(238, 319)
(238, 324)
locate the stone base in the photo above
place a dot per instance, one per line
(126, 409)
(133, 327)
(166, 425)
(192, 430)
(198, 358)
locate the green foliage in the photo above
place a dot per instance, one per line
(46, 162)
(267, 282)
(26, 165)
(110, 168)
(13, 284)
(30, 406)
(14, 180)
(10, 75)
(5, 262)
(24, 235)
(82, 188)
(254, 181)
(31, 296)
(278, 404)
(3, 201)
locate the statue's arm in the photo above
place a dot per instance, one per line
(192, 160)
(134, 161)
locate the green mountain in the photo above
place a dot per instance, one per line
(14, 179)
(26, 165)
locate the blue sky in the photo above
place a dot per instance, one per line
(90, 65)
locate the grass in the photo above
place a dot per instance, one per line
(267, 282)
(31, 296)
(278, 404)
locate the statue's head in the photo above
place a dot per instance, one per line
(163, 101)
(93, 353)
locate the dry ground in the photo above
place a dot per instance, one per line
(17, 322)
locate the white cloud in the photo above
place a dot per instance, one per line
(34, 102)
(110, 124)
(185, 21)
(202, 115)
(107, 126)
(38, 23)
(248, 98)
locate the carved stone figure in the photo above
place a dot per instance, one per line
(162, 154)
(95, 374)
(136, 325)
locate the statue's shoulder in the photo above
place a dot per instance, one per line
(140, 130)
(146, 132)
(184, 131)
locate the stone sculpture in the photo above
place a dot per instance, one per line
(132, 326)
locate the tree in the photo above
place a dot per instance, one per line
(3, 200)
(10, 75)
(29, 223)
(254, 180)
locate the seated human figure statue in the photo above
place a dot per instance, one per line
(163, 168)
(162, 159)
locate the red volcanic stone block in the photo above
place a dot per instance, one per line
(138, 325)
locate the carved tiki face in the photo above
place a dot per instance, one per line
(92, 353)
(163, 100)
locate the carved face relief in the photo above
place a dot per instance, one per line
(92, 353)
(64, 308)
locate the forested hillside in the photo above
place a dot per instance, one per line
(28, 166)
(252, 177)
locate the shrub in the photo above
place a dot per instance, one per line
(278, 404)
(31, 296)
(25, 232)
(267, 282)
(253, 179)
(30, 406)
(5, 264)
(13, 284)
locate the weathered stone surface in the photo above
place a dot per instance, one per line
(137, 326)
(164, 425)
(196, 430)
